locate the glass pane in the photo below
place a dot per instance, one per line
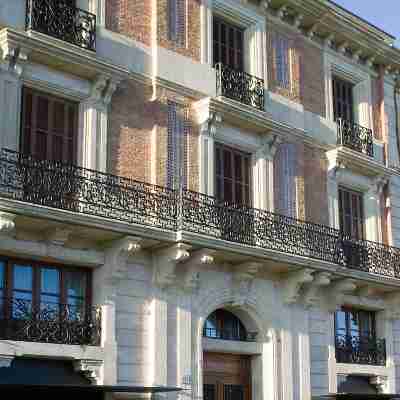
(341, 322)
(2, 273)
(23, 277)
(50, 281)
(354, 324)
(75, 284)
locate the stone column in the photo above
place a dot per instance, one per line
(12, 63)
(93, 125)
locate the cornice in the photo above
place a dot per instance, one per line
(40, 46)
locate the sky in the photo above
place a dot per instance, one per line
(385, 14)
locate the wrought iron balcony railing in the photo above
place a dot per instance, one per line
(229, 334)
(22, 320)
(360, 350)
(240, 86)
(67, 187)
(58, 18)
(355, 137)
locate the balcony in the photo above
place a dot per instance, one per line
(240, 86)
(229, 334)
(57, 18)
(22, 320)
(360, 350)
(355, 137)
(67, 187)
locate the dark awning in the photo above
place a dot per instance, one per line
(357, 396)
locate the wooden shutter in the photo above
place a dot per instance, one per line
(177, 158)
(177, 21)
(49, 126)
(285, 165)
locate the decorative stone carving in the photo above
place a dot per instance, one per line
(357, 54)
(298, 20)
(5, 361)
(293, 284)
(14, 58)
(370, 61)
(311, 294)
(329, 40)
(281, 13)
(58, 236)
(91, 369)
(343, 47)
(312, 31)
(116, 257)
(266, 4)
(212, 124)
(165, 261)
(380, 382)
(7, 224)
(337, 291)
(198, 259)
(270, 144)
(102, 91)
(243, 278)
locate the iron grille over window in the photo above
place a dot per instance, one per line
(62, 20)
(356, 340)
(177, 21)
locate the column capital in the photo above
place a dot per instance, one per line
(14, 58)
(7, 223)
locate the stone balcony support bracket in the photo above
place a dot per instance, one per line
(293, 284)
(91, 369)
(335, 294)
(243, 279)
(165, 262)
(312, 290)
(7, 224)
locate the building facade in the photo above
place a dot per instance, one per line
(202, 194)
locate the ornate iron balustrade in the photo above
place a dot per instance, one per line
(360, 350)
(22, 320)
(355, 137)
(229, 334)
(58, 18)
(240, 86)
(67, 187)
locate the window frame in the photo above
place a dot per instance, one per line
(341, 100)
(37, 266)
(220, 177)
(360, 219)
(348, 315)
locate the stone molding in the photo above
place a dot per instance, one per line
(293, 284)
(7, 223)
(243, 279)
(58, 236)
(91, 369)
(165, 262)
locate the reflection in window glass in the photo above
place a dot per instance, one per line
(2, 276)
(22, 291)
(76, 292)
(50, 289)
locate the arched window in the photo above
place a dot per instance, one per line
(222, 324)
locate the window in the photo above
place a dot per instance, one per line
(355, 323)
(343, 105)
(177, 21)
(44, 287)
(222, 324)
(351, 213)
(228, 44)
(49, 126)
(178, 130)
(232, 175)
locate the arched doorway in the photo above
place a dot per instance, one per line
(226, 376)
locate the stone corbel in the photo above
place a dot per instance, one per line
(380, 382)
(357, 54)
(270, 144)
(165, 261)
(14, 58)
(102, 91)
(58, 236)
(370, 61)
(379, 183)
(243, 278)
(298, 20)
(212, 124)
(312, 31)
(90, 369)
(193, 266)
(116, 256)
(312, 291)
(329, 40)
(392, 309)
(293, 284)
(6, 361)
(281, 13)
(266, 4)
(343, 47)
(7, 224)
(336, 293)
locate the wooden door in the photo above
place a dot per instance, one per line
(226, 377)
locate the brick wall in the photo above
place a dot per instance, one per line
(131, 18)
(308, 86)
(138, 136)
(193, 30)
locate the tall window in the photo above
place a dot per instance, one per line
(232, 175)
(355, 323)
(27, 285)
(282, 60)
(343, 105)
(178, 130)
(177, 21)
(351, 213)
(228, 44)
(49, 126)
